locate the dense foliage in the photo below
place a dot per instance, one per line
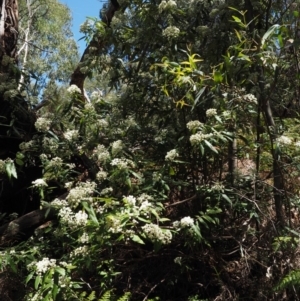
(176, 176)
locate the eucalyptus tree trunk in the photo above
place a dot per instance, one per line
(16, 119)
(78, 77)
(8, 32)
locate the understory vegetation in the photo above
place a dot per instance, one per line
(168, 169)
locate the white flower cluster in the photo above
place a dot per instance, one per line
(84, 238)
(2, 166)
(122, 163)
(185, 222)
(89, 108)
(194, 125)
(101, 154)
(171, 155)
(73, 90)
(27, 145)
(171, 32)
(130, 200)
(71, 135)
(178, 260)
(155, 233)
(85, 27)
(211, 112)
(144, 197)
(102, 123)
(250, 98)
(218, 187)
(80, 251)
(167, 5)
(130, 122)
(55, 162)
(156, 176)
(116, 147)
(42, 266)
(101, 176)
(96, 95)
(42, 124)
(50, 144)
(59, 203)
(114, 225)
(39, 183)
(199, 137)
(82, 192)
(116, 23)
(145, 206)
(72, 220)
(226, 114)
(106, 191)
(284, 140)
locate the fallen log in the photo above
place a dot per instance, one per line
(23, 227)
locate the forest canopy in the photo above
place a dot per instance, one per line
(162, 164)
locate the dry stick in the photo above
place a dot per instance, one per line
(152, 289)
(183, 201)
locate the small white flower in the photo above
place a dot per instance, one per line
(284, 140)
(269, 272)
(211, 112)
(81, 218)
(106, 191)
(39, 183)
(186, 222)
(116, 147)
(2, 166)
(84, 238)
(130, 200)
(171, 32)
(156, 176)
(73, 90)
(122, 163)
(194, 124)
(171, 155)
(101, 154)
(250, 98)
(42, 266)
(155, 233)
(71, 135)
(178, 260)
(42, 124)
(101, 176)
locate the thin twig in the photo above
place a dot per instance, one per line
(152, 289)
(183, 201)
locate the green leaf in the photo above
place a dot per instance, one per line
(137, 239)
(29, 277)
(269, 33)
(61, 271)
(171, 171)
(225, 197)
(19, 162)
(11, 170)
(211, 146)
(218, 78)
(37, 282)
